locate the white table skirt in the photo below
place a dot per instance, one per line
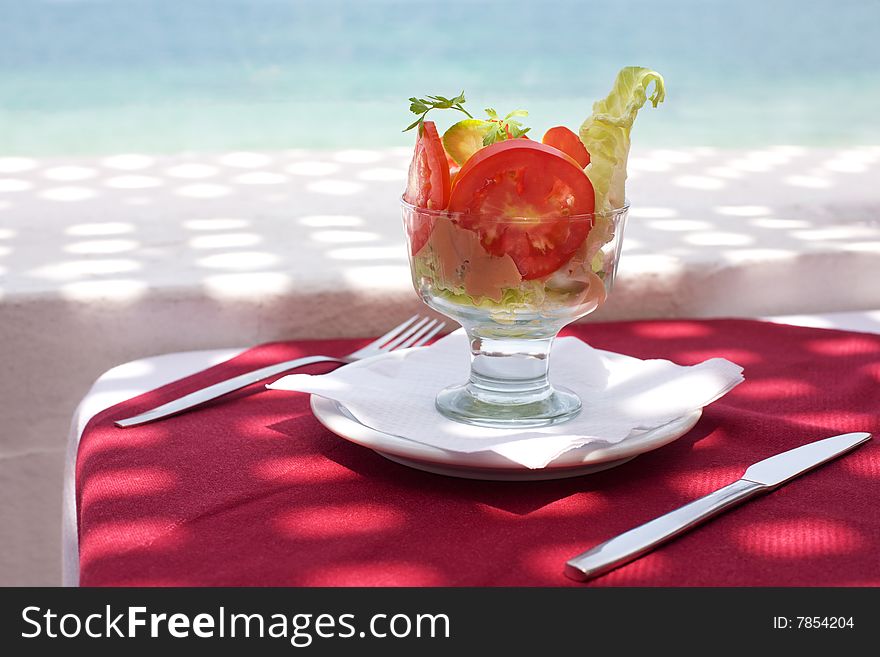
(134, 378)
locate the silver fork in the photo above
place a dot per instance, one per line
(414, 332)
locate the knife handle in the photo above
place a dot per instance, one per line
(644, 538)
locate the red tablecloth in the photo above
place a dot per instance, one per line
(253, 491)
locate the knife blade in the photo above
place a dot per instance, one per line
(760, 477)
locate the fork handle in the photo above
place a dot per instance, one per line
(199, 397)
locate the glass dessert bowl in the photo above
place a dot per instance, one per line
(512, 299)
(514, 238)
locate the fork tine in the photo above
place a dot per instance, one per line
(393, 333)
(412, 329)
(418, 335)
(425, 338)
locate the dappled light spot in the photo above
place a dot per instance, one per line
(696, 483)
(671, 330)
(377, 276)
(632, 245)
(382, 175)
(374, 573)
(789, 150)
(749, 165)
(742, 256)
(845, 166)
(4, 250)
(245, 160)
(778, 224)
(673, 157)
(260, 178)
(16, 164)
(14, 185)
(680, 225)
(643, 212)
(128, 482)
(369, 253)
(654, 263)
(307, 469)
(99, 229)
(647, 164)
(699, 182)
(68, 194)
(343, 236)
(281, 197)
(353, 156)
(128, 162)
(70, 173)
(798, 538)
(861, 247)
(335, 187)
(724, 172)
(239, 260)
(137, 200)
(5, 204)
(338, 521)
(203, 191)
(131, 370)
(872, 370)
(718, 239)
(807, 320)
(6, 233)
(743, 210)
(73, 269)
(811, 182)
(117, 289)
(862, 463)
(773, 388)
(192, 170)
(836, 233)
(738, 356)
(133, 182)
(312, 168)
(115, 537)
(225, 240)
(837, 422)
(579, 505)
(844, 346)
(101, 246)
(330, 220)
(243, 285)
(220, 223)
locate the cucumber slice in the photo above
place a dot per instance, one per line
(465, 138)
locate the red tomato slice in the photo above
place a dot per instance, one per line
(569, 143)
(517, 195)
(428, 184)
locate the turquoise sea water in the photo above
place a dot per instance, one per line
(102, 76)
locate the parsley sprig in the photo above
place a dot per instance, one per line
(507, 128)
(421, 107)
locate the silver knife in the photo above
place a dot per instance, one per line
(761, 477)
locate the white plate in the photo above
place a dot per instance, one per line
(490, 465)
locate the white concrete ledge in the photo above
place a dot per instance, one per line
(104, 261)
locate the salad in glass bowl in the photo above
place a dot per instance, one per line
(515, 238)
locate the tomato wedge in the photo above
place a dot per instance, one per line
(428, 184)
(428, 181)
(569, 143)
(518, 196)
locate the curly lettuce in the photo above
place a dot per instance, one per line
(606, 133)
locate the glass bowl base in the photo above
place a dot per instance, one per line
(459, 403)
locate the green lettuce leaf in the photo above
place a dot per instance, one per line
(606, 132)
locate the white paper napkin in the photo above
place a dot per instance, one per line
(620, 394)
